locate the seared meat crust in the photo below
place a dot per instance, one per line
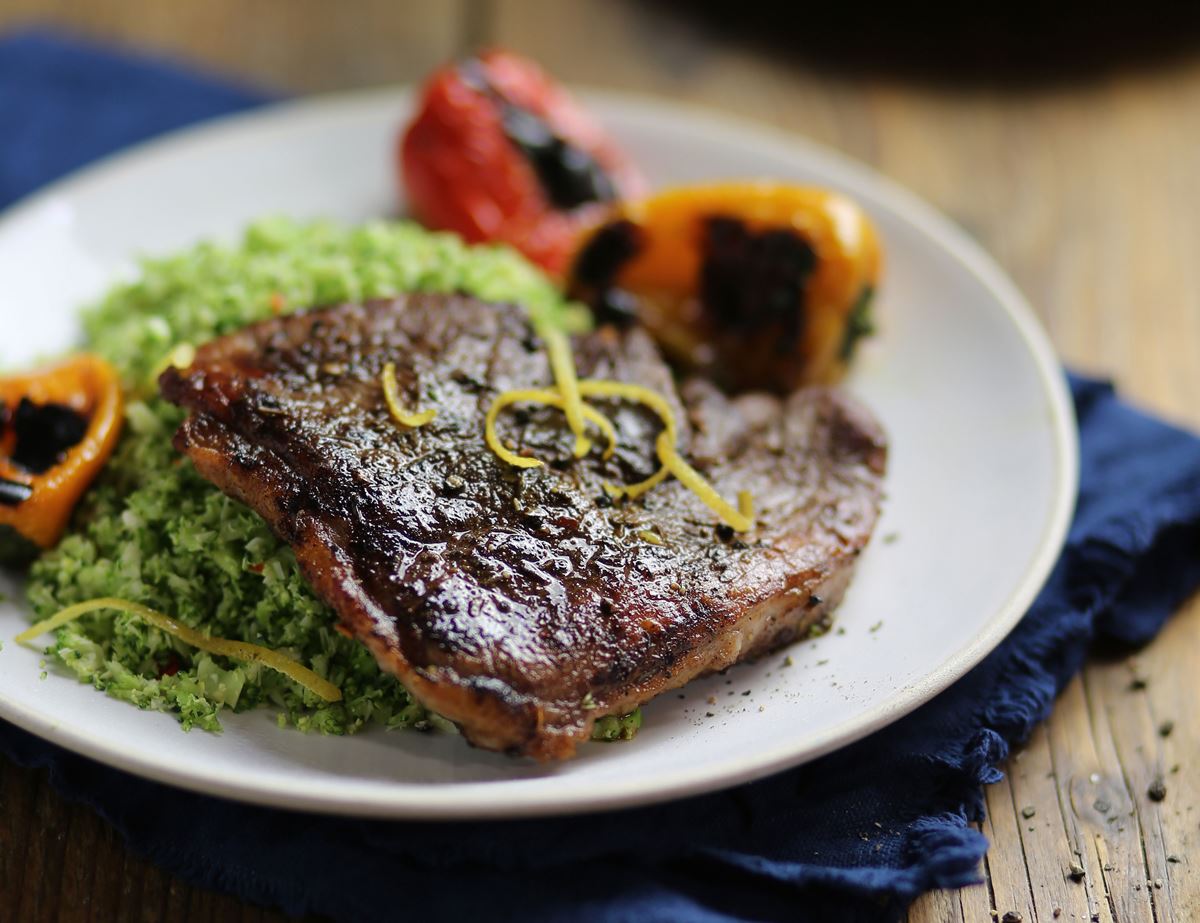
(521, 604)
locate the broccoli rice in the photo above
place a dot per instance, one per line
(153, 532)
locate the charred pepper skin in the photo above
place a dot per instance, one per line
(499, 152)
(60, 426)
(44, 433)
(759, 285)
(569, 174)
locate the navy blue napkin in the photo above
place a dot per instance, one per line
(856, 835)
(65, 103)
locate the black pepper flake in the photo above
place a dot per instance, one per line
(709, 714)
(1165, 729)
(725, 532)
(468, 382)
(814, 600)
(1157, 790)
(747, 692)
(1138, 684)
(604, 501)
(739, 545)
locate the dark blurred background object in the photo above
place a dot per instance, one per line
(1064, 136)
(1005, 44)
(312, 45)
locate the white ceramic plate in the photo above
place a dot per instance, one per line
(980, 490)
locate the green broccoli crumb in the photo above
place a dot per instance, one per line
(618, 727)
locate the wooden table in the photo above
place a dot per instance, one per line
(1085, 187)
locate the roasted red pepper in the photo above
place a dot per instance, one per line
(57, 428)
(499, 152)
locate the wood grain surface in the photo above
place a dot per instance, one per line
(1082, 183)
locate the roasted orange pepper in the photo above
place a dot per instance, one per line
(58, 426)
(759, 284)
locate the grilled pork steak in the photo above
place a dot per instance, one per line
(522, 604)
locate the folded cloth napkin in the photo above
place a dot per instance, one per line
(855, 835)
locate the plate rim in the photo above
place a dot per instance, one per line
(514, 798)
